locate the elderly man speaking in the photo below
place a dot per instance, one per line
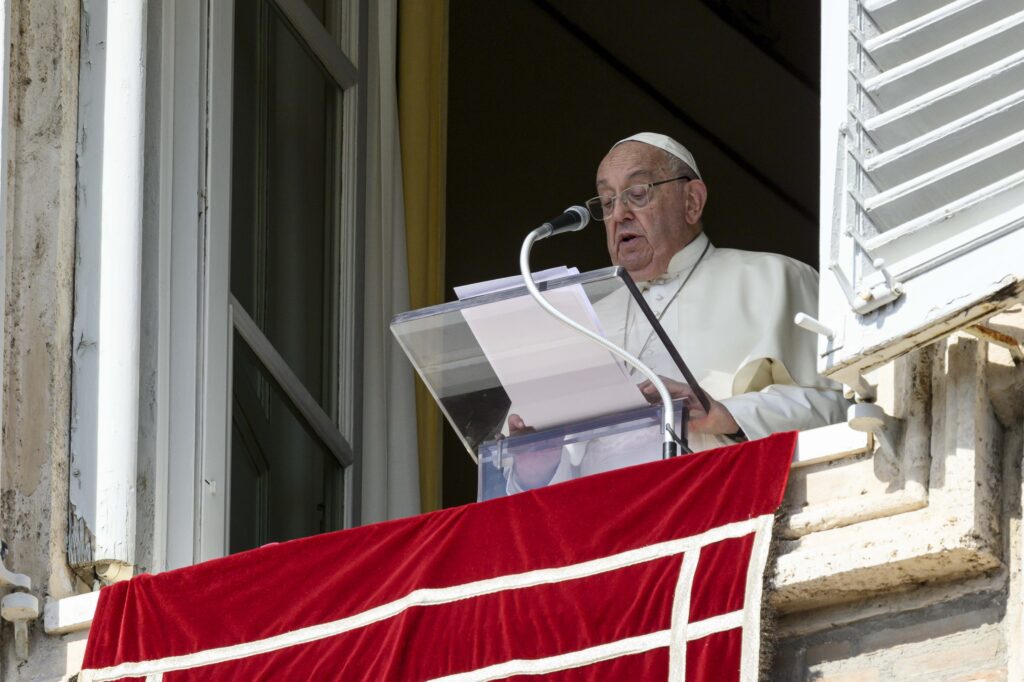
(729, 312)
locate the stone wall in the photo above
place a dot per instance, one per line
(40, 230)
(959, 639)
(923, 619)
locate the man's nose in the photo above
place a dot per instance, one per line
(621, 210)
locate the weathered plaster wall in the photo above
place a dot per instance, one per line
(40, 224)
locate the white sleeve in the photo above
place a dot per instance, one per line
(785, 408)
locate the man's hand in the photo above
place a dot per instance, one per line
(532, 467)
(716, 421)
(517, 427)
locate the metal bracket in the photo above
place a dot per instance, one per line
(18, 607)
(13, 581)
(805, 321)
(860, 385)
(870, 418)
(998, 338)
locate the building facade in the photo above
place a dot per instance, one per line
(200, 255)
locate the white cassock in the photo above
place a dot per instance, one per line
(732, 323)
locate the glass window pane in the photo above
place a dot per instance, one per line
(285, 484)
(285, 206)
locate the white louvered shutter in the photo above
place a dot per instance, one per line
(922, 149)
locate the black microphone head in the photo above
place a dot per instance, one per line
(583, 214)
(572, 219)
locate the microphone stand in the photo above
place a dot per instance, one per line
(670, 441)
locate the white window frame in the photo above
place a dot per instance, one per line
(198, 318)
(108, 290)
(185, 337)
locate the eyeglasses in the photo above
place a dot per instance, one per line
(637, 196)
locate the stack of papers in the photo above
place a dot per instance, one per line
(553, 374)
(493, 285)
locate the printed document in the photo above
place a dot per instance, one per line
(553, 375)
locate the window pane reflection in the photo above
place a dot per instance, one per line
(285, 484)
(285, 201)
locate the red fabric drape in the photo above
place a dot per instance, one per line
(580, 580)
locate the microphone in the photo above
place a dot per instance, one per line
(573, 219)
(576, 218)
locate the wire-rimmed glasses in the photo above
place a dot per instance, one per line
(636, 196)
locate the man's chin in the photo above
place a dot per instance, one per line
(633, 262)
(638, 270)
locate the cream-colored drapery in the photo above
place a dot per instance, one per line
(390, 468)
(422, 101)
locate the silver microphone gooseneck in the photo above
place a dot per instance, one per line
(669, 448)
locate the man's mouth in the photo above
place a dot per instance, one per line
(627, 238)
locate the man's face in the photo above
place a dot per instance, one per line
(643, 240)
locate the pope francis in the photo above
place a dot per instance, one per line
(728, 312)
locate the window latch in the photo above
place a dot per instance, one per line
(870, 297)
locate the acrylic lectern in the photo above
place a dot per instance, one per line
(580, 408)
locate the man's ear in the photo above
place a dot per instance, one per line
(696, 198)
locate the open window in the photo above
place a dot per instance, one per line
(293, 273)
(262, 329)
(922, 165)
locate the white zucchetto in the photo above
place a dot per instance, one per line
(665, 143)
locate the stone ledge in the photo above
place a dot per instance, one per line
(938, 523)
(71, 614)
(883, 557)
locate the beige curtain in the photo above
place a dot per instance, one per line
(422, 113)
(390, 470)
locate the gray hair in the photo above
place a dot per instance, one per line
(676, 167)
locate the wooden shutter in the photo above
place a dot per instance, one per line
(922, 161)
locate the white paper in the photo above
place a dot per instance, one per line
(552, 374)
(480, 288)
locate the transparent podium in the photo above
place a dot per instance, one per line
(534, 402)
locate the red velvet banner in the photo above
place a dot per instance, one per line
(650, 572)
